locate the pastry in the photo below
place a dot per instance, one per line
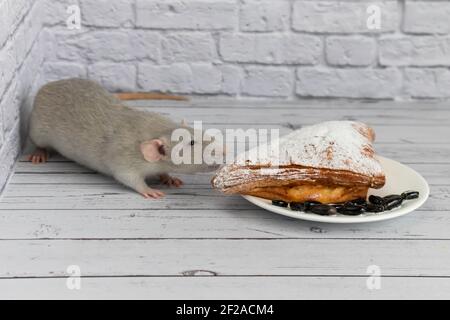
(330, 162)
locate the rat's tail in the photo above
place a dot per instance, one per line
(148, 96)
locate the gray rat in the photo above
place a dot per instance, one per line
(84, 122)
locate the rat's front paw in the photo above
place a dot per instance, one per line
(40, 155)
(150, 193)
(170, 181)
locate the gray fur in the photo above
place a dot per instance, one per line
(85, 123)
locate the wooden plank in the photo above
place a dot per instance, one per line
(271, 288)
(61, 178)
(407, 154)
(207, 224)
(313, 257)
(433, 173)
(306, 104)
(298, 117)
(115, 197)
(410, 135)
(401, 134)
(64, 167)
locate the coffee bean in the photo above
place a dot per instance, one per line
(359, 201)
(310, 204)
(393, 204)
(323, 209)
(280, 203)
(351, 209)
(391, 197)
(409, 195)
(370, 207)
(332, 211)
(376, 199)
(297, 206)
(350, 212)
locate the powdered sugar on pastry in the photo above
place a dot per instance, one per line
(333, 145)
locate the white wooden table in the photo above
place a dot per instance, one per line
(197, 243)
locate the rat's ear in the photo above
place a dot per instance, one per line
(153, 150)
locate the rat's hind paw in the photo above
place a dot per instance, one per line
(39, 155)
(170, 181)
(152, 193)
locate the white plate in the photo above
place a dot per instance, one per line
(399, 178)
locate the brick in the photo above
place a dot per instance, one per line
(63, 70)
(47, 43)
(231, 79)
(342, 16)
(8, 155)
(168, 78)
(267, 82)
(427, 83)
(25, 33)
(31, 67)
(107, 13)
(414, 51)
(20, 44)
(348, 83)
(8, 63)
(11, 107)
(350, 51)
(17, 10)
(5, 29)
(202, 78)
(55, 12)
(271, 49)
(206, 78)
(188, 47)
(27, 104)
(110, 45)
(263, 16)
(1, 128)
(33, 24)
(184, 14)
(114, 76)
(427, 17)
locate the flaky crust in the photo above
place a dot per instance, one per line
(311, 184)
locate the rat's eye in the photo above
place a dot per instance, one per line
(192, 142)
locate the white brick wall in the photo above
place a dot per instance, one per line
(241, 48)
(342, 16)
(192, 14)
(20, 60)
(264, 15)
(270, 48)
(350, 50)
(283, 49)
(352, 83)
(188, 47)
(267, 81)
(415, 50)
(108, 13)
(427, 17)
